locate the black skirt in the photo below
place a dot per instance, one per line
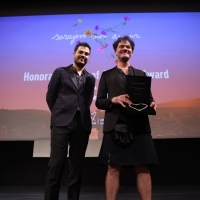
(140, 152)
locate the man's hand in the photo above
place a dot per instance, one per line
(153, 105)
(123, 100)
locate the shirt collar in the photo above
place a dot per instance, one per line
(129, 70)
(75, 71)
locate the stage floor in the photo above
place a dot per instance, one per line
(174, 192)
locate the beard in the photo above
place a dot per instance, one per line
(80, 64)
(125, 59)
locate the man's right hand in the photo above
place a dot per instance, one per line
(123, 100)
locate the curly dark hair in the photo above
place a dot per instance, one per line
(123, 38)
(84, 44)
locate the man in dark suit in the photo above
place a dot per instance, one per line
(113, 99)
(69, 96)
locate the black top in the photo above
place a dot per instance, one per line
(122, 77)
(79, 78)
(110, 87)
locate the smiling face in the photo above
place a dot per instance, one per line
(124, 51)
(81, 56)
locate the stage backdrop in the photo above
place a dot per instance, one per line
(32, 47)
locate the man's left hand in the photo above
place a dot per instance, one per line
(153, 105)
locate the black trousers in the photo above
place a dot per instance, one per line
(77, 138)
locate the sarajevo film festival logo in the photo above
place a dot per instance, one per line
(93, 115)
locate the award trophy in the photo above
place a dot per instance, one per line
(138, 89)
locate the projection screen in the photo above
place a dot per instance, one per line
(167, 49)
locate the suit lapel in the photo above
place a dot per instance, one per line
(137, 72)
(115, 76)
(134, 71)
(71, 75)
(85, 82)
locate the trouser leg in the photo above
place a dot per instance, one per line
(78, 145)
(60, 137)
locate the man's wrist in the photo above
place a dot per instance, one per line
(114, 99)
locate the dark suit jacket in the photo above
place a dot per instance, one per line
(63, 98)
(109, 87)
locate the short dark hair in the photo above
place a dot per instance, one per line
(84, 44)
(123, 38)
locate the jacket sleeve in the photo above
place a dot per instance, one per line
(102, 101)
(150, 97)
(92, 91)
(52, 91)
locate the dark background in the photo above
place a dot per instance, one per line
(43, 7)
(179, 165)
(179, 158)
